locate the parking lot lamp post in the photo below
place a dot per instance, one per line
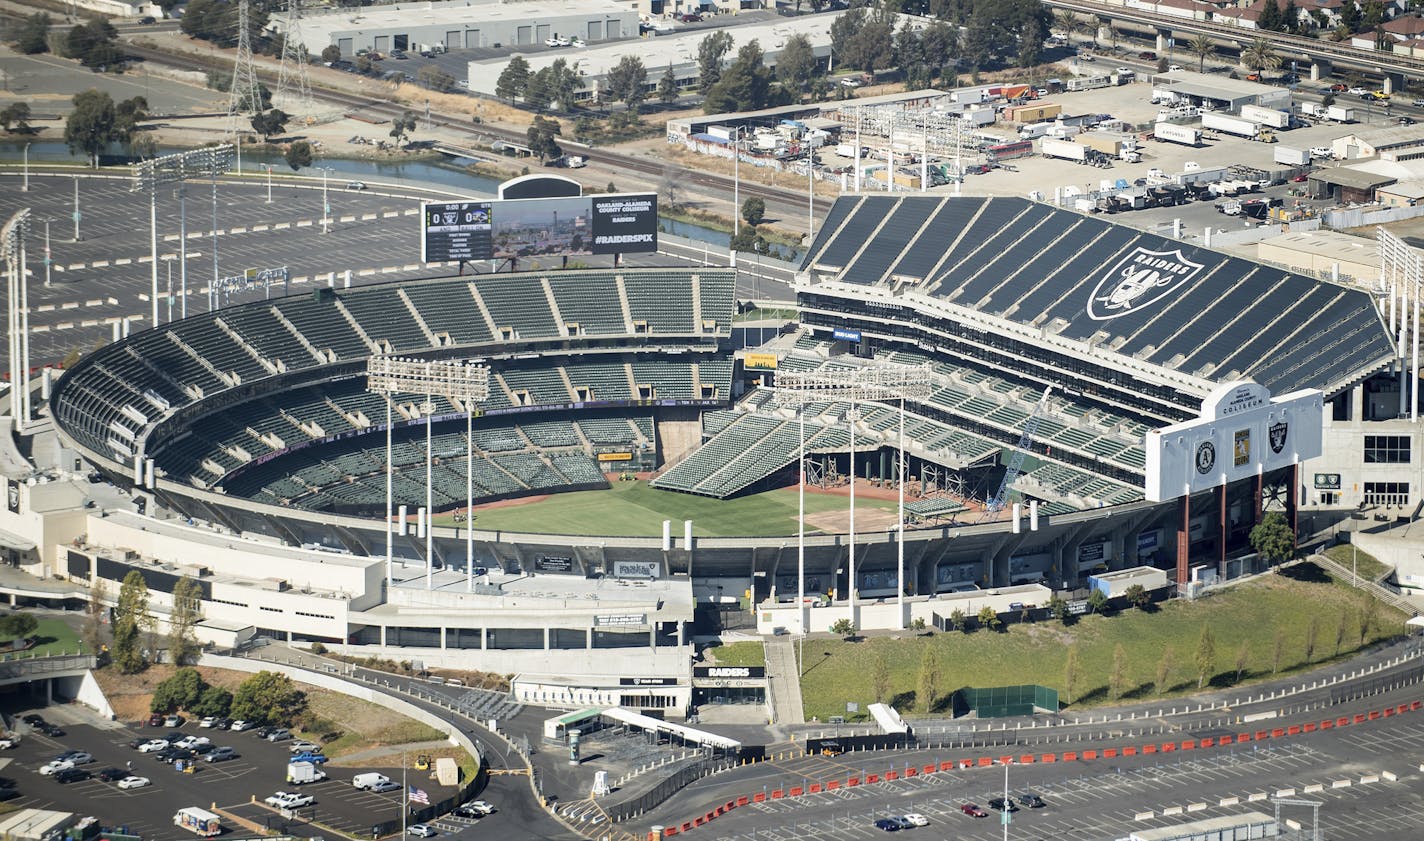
(325, 205)
(268, 167)
(25, 187)
(172, 169)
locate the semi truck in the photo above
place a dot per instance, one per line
(1238, 126)
(1173, 133)
(1067, 150)
(1266, 116)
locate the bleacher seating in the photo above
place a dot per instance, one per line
(450, 308)
(522, 306)
(593, 303)
(661, 299)
(386, 317)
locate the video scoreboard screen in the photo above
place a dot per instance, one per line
(582, 225)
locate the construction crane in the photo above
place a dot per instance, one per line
(996, 502)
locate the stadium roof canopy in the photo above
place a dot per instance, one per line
(1171, 304)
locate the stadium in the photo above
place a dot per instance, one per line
(1050, 349)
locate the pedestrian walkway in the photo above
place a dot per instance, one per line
(1384, 594)
(782, 680)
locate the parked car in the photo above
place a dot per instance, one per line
(153, 746)
(382, 787)
(466, 812)
(280, 734)
(303, 745)
(202, 748)
(155, 720)
(481, 806)
(1147, 55)
(49, 768)
(420, 830)
(851, 82)
(289, 800)
(133, 782)
(71, 775)
(690, 17)
(50, 730)
(173, 755)
(240, 725)
(1003, 804)
(915, 819)
(1031, 800)
(173, 721)
(222, 724)
(208, 721)
(888, 824)
(112, 775)
(190, 742)
(221, 755)
(973, 811)
(33, 719)
(310, 756)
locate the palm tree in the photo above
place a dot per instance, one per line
(1260, 56)
(1067, 23)
(1201, 46)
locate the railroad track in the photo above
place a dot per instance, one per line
(484, 134)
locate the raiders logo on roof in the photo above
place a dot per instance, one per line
(1139, 280)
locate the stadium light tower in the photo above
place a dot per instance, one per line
(455, 379)
(12, 239)
(149, 175)
(863, 382)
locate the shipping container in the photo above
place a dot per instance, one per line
(1054, 148)
(1108, 144)
(1173, 133)
(1033, 113)
(1293, 157)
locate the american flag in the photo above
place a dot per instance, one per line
(419, 796)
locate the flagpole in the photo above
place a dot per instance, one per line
(405, 798)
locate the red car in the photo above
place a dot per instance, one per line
(973, 811)
(155, 720)
(1301, 178)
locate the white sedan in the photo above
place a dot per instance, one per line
(153, 745)
(55, 765)
(133, 782)
(299, 747)
(916, 819)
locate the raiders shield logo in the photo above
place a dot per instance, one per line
(1276, 435)
(1139, 280)
(1206, 457)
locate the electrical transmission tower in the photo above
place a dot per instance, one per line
(246, 94)
(293, 89)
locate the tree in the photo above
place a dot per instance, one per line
(90, 126)
(15, 118)
(1117, 678)
(711, 51)
(667, 87)
(187, 610)
(93, 44)
(1312, 635)
(754, 211)
(1272, 538)
(540, 138)
(431, 76)
(130, 617)
(796, 64)
(18, 626)
(1097, 600)
(927, 685)
(555, 84)
(1058, 607)
(843, 627)
(215, 701)
(958, 619)
(1164, 671)
(1261, 55)
(1243, 656)
(1137, 596)
(299, 154)
(94, 612)
(988, 618)
(880, 680)
(1205, 656)
(33, 35)
(268, 697)
(270, 123)
(402, 126)
(1278, 647)
(627, 82)
(179, 692)
(745, 86)
(1270, 19)
(1072, 674)
(1202, 47)
(918, 624)
(1031, 43)
(1290, 18)
(1066, 22)
(127, 116)
(331, 54)
(513, 81)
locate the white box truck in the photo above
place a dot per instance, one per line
(1266, 116)
(1340, 113)
(1238, 126)
(299, 773)
(1054, 148)
(1313, 110)
(1292, 157)
(1174, 133)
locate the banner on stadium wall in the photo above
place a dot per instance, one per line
(760, 362)
(615, 456)
(844, 335)
(1242, 432)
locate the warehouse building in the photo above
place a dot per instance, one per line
(1221, 93)
(464, 25)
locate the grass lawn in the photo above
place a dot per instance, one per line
(638, 510)
(1252, 613)
(739, 654)
(53, 636)
(1369, 568)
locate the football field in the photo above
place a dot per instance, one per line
(634, 509)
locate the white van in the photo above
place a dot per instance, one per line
(365, 781)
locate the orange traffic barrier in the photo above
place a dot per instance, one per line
(815, 788)
(1308, 727)
(1026, 759)
(1090, 754)
(1168, 747)
(1048, 757)
(1149, 748)
(1189, 744)
(890, 775)
(777, 794)
(741, 801)
(759, 798)
(853, 781)
(1109, 753)
(832, 785)
(872, 778)
(1326, 724)
(796, 791)
(1129, 751)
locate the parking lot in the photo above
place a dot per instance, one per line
(238, 785)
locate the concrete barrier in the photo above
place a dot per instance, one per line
(1195, 807)
(1390, 776)
(1228, 801)
(1285, 792)
(1144, 816)
(1313, 788)
(1171, 810)
(1255, 796)
(1369, 778)
(1342, 784)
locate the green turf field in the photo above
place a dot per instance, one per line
(1253, 613)
(634, 509)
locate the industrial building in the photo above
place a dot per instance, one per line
(462, 24)
(1218, 92)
